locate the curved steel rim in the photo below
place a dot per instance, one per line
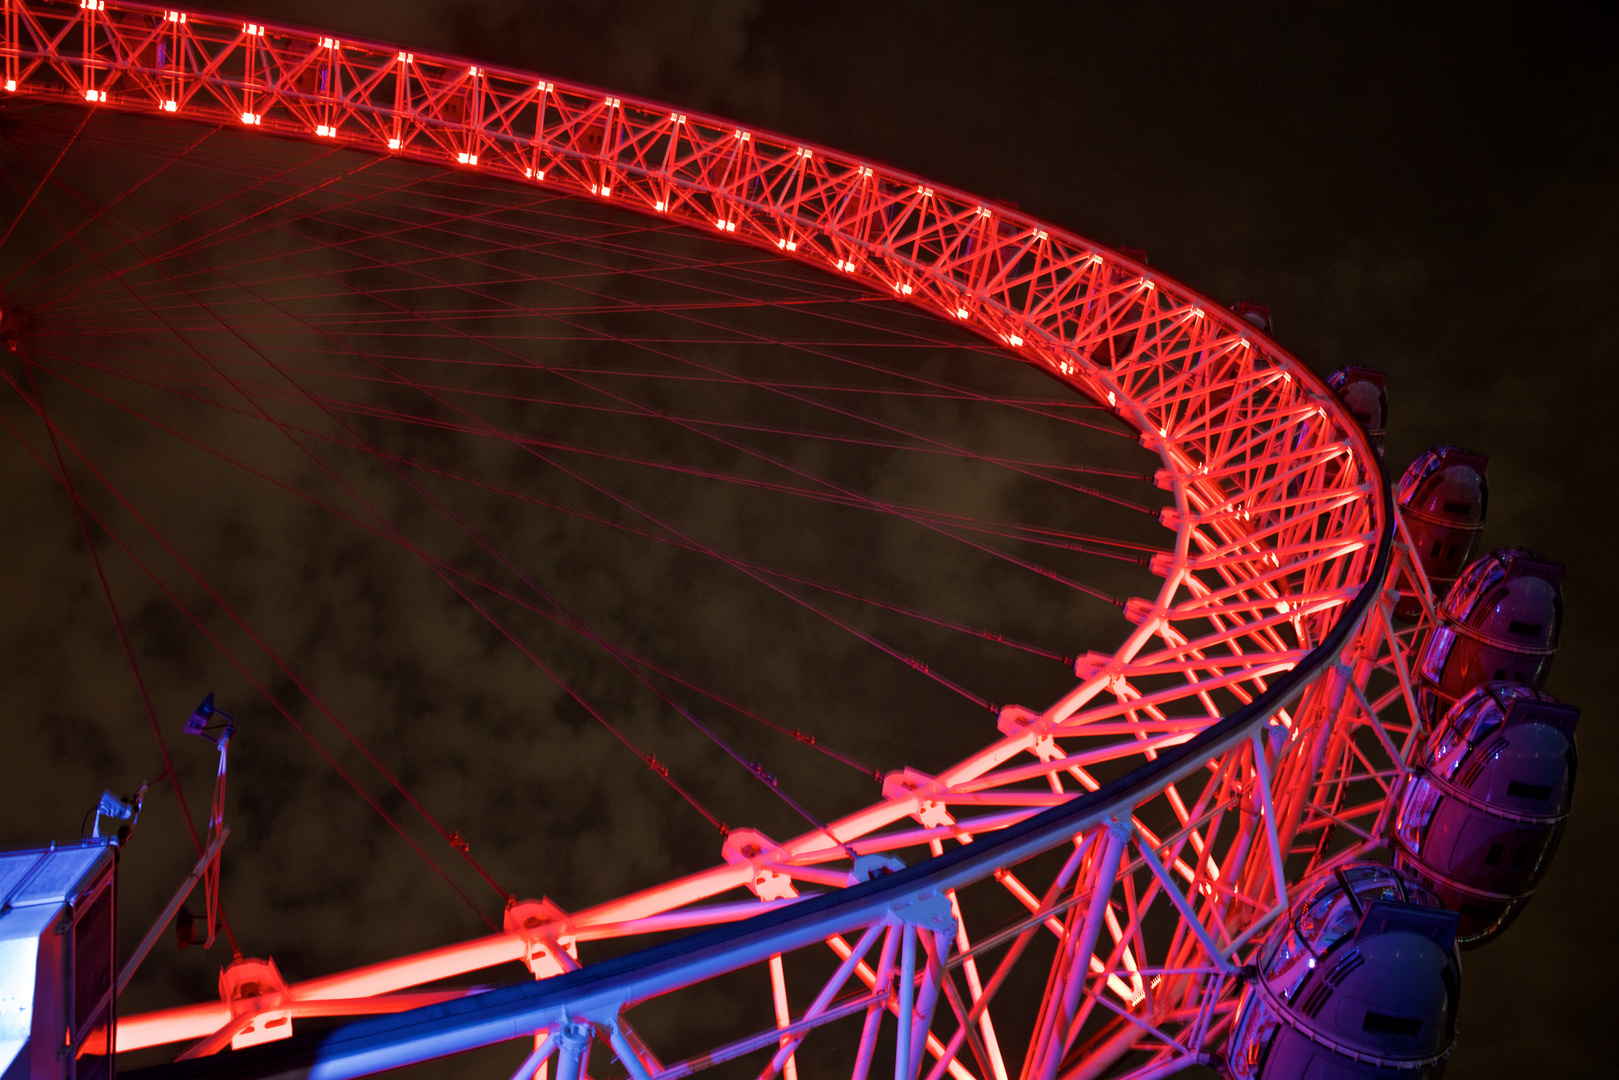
(939, 287)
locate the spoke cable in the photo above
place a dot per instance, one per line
(240, 665)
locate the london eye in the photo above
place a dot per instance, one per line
(788, 615)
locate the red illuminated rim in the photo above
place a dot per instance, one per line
(1280, 523)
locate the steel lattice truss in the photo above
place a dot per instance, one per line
(1262, 698)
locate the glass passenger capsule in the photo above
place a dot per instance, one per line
(1362, 390)
(1478, 822)
(1500, 621)
(1359, 981)
(1443, 498)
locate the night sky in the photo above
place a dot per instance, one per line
(1435, 194)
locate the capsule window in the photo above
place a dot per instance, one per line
(1438, 548)
(1452, 507)
(1489, 754)
(1519, 789)
(1493, 858)
(1384, 1024)
(1527, 629)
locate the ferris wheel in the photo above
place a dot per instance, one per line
(748, 457)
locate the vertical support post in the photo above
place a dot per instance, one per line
(475, 94)
(975, 990)
(1317, 717)
(329, 95)
(1080, 948)
(1406, 564)
(1267, 809)
(396, 140)
(1419, 722)
(626, 1053)
(932, 979)
(12, 46)
(249, 71)
(540, 94)
(1082, 844)
(573, 1047)
(907, 1002)
(1051, 999)
(1235, 867)
(87, 20)
(216, 825)
(537, 1066)
(784, 1016)
(177, 54)
(874, 1012)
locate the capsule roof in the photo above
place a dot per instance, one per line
(1513, 587)
(1329, 909)
(1366, 961)
(1468, 748)
(1362, 390)
(1446, 483)
(1256, 313)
